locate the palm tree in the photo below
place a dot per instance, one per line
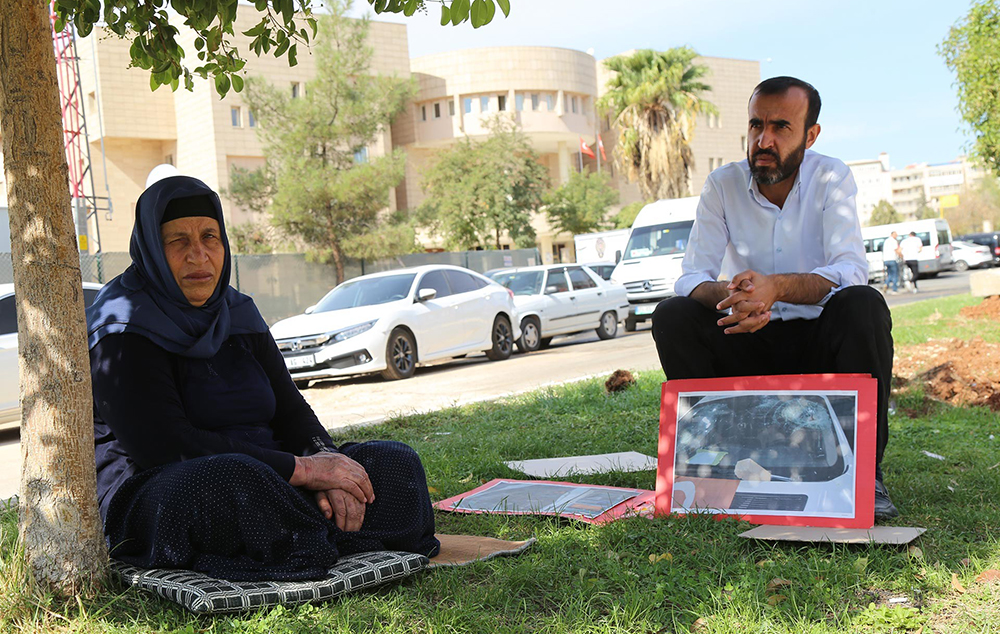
(654, 98)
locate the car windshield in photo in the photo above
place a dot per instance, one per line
(367, 292)
(793, 437)
(667, 239)
(521, 283)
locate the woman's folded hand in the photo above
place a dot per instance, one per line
(342, 507)
(325, 471)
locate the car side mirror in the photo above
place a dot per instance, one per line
(618, 256)
(426, 294)
(551, 289)
(310, 309)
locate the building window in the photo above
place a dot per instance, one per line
(519, 102)
(423, 113)
(361, 154)
(711, 164)
(534, 101)
(550, 102)
(451, 107)
(484, 104)
(296, 90)
(169, 159)
(501, 102)
(718, 120)
(437, 110)
(251, 120)
(236, 116)
(572, 102)
(467, 105)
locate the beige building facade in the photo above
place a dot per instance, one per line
(550, 92)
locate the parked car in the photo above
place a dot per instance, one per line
(563, 299)
(603, 269)
(10, 390)
(391, 322)
(990, 240)
(969, 255)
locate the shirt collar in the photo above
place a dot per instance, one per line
(760, 198)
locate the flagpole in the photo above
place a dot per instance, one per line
(598, 153)
(580, 154)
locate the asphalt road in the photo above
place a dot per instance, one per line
(366, 400)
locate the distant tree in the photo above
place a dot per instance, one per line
(479, 191)
(654, 98)
(972, 52)
(580, 205)
(325, 188)
(884, 214)
(978, 207)
(924, 210)
(626, 216)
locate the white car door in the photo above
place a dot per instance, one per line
(436, 322)
(475, 316)
(590, 299)
(560, 307)
(9, 383)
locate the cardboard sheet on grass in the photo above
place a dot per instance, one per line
(793, 450)
(875, 535)
(462, 550)
(624, 461)
(589, 503)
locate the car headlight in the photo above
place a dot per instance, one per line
(353, 331)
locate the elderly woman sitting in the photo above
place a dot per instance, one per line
(208, 458)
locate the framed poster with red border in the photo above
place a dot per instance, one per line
(793, 450)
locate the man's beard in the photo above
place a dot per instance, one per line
(781, 169)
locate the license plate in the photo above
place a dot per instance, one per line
(300, 362)
(645, 309)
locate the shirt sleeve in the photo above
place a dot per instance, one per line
(295, 423)
(707, 246)
(136, 396)
(846, 264)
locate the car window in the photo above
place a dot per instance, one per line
(557, 282)
(8, 315)
(437, 281)
(943, 236)
(460, 282)
(606, 271)
(366, 292)
(580, 278)
(521, 282)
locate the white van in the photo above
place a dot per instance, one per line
(651, 262)
(934, 233)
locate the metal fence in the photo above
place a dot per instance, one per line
(284, 284)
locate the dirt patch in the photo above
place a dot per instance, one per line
(957, 372)
(989, 308)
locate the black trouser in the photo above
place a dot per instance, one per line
(852, 335)
(914, 266)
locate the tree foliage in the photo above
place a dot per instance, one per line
(626, 215)
(580, 205)
(978, 208)
(972, 52)
(884, 214)
(477, 12)
(479, 191)
(654, 98)
(324, 187)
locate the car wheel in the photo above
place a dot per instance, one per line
(630, 324)
(609, 325)
(961, 265)
(531, 335)
(544, 343)
(400, 356)
(503, 339)
(302, 383)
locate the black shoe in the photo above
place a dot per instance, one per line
(884, 508)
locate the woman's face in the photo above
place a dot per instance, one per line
(195, 253)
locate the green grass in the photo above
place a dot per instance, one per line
(581, 578)
(940, 318)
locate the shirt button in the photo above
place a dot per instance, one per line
(779, 249)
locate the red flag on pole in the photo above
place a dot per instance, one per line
(600, 146)
(585, 149)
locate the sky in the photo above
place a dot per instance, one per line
(875, 63)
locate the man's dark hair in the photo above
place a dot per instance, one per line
(780, 85)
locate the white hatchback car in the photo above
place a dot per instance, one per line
(393, 321)
(10, 390)
(563, 299)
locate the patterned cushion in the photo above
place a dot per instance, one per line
(204, 595)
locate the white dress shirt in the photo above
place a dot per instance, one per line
(889, 248)
(817, 231)
(911, 247)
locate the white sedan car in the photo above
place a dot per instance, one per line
(969, 255)
(393, 321)
(563, 299)
(10, 390)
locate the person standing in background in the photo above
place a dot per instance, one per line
(890, 257)
(910, 247)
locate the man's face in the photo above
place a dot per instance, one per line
(777, 138)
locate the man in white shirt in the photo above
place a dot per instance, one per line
(783, 227)
(910, 247)
(890, 257)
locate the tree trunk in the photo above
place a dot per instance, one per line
(60, 527)
(338, 259)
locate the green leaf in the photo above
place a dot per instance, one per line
(505, 7)
(237, 83)
(282, 47)
(491, 10)
(222, 84)
(477, 13)
(291, 55)
(459, 12)
(380, 5)
(411, 7)
(445, 14)
(287, 11)
(154, 83)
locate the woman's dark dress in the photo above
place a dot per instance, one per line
(194, 458)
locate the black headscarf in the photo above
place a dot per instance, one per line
(146, 299)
